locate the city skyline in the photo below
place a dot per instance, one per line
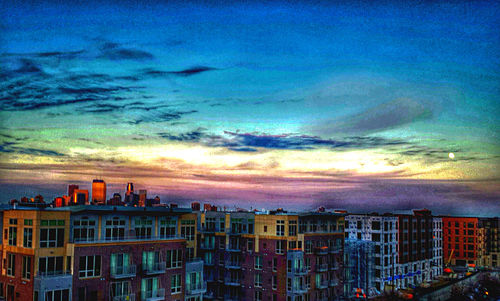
(354, 106)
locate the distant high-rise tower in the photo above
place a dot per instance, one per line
(98, 191)
(71, 189)
(142, 197)
(130, 188)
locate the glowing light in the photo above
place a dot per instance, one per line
(451, 155)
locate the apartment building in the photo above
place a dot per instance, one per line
(382, 230)
(36, 255)
(490, 255)
(272, 256)
(100, 253)
(437, 247)
(461, 240)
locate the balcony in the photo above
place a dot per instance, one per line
(233, 249)
(321, 250)
(322, 284)
(322, 267)
(300, 271)
(125, 238)
(208, 230)
(55, 280)
(207, 246)
(123, 272)
(197, 289)
(335, 250)
(155, 268)
(232, 281)
(129, 297)
(155, 295)
(298, 290)
(233, 265)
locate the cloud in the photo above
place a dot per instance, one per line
(251, 142)
(153, 73)
(10, 147)
(114, 51)
(192, 71)
(379, 118)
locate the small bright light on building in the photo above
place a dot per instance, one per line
(451, 155)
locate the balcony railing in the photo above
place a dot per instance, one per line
(334, 267)
(125, 238)
(200, 288)
(300, 271)
(209, 295)
(233, 248)
(53, 274)
(300, 289)
(334, 282)
(233, 265)
(232, 281)
(155, 295)
(123, 272)
(321, 250)
(128, 297)
(155, 268)
(204, 246)
(322, 267)
(335, 250)
(322, 284)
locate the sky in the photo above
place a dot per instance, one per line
(346, 104)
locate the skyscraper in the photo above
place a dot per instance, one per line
(98, 191)
(71, 189)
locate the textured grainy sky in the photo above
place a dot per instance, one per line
(347, 105)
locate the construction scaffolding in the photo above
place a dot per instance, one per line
(359, 268)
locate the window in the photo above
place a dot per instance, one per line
(280, 246)
(28, 222)
(308, 246)
(258, 262)
(292, 245)
(210, 223)
(251, 223)
(26, 272)
(149, 287)
(120, 264)
(174, 259)
(175, 288)
(57, 295)
(52, 233)
(187, 229)
(151, 261)
(258, 296)
(90, 266)
(265, 228)
(28, 238)
(119, 289)
(274, 282)
(11, 265)
(52, 265)
(292, 228)
(115, 228)
(258, 280)
(250, 246)
(222, 223)
(143, 227)
(84, 229)
(280, 228)
(13, 221)
(168, 228)
(12, 236)
(275, 264)
(288, 284)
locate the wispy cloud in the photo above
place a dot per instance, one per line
(379, 118)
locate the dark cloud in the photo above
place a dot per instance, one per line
(379, 118)
(10, 147)
(28, 66)
(114, 51)
(192, 71)
(250, 142)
